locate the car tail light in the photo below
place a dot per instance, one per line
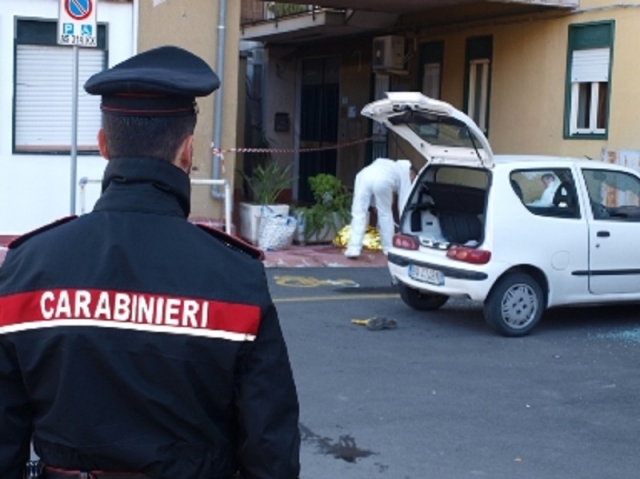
(469, 255)
(405, 242)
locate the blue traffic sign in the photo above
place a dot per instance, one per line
(67, 28)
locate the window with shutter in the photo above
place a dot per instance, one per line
(43, 95)
(588, 80)
(431, 57)
(479, 54)
(431, 80)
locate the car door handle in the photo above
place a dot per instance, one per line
(603, 234)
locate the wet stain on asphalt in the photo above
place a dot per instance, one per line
(345, 448)
(631, 335)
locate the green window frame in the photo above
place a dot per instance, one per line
(43, 93)
(588, 80)
(477, 80)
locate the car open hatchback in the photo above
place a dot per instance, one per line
(519, 233)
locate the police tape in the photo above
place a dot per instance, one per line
(221, 151)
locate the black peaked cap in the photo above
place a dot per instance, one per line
(164, 80)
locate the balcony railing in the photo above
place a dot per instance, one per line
(256, 11)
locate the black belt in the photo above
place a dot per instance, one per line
(55, 473)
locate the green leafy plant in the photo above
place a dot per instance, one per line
(331, 208)
(267, 182)
(279, 9)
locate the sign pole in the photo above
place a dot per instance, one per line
(76, 27)
(74, 128)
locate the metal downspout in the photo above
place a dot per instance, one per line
(135, 27)
(217, 119)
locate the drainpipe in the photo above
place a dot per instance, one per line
(217, 119)
(135, 27)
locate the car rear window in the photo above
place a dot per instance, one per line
(437, 129)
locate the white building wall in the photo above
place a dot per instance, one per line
(35, 189)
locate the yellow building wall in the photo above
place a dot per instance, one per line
(193, 25)
(624, 122)
(528, 75)
(527, 98)
(587, 4)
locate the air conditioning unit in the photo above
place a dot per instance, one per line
(388, 53)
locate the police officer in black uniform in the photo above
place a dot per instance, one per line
(134, 344)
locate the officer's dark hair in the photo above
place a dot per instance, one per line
(156, 137)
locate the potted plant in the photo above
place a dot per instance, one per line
(265, 183)
(278, 9)
(320, 222)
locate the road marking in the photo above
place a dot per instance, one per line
(311, 282)
(342, 297)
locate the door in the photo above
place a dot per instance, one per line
(379, 145)
(614, 262)
(319, 109)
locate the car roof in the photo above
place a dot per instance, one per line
(548, 161)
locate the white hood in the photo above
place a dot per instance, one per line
(440, 132)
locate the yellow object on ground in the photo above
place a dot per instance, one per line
(370, 242)
(376, 323)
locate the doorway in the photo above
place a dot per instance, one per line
(319, 108)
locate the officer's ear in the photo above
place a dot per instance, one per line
(184, 158)
(102, 144)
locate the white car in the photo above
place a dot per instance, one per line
(519, 233)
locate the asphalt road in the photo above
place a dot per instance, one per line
(444, 397)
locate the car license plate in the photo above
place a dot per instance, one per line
(426, 275)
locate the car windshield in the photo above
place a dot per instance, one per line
(436, 129)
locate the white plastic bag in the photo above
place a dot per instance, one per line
(276, 231)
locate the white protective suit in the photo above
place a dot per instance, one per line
(546, 199)
(375, 185)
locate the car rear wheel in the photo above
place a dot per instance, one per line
(515, 305)
(420, 300)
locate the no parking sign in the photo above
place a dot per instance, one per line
(77, 23)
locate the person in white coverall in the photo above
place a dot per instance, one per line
(551, 183)
(374, 186)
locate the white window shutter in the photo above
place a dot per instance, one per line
(44, 81)
(590, 65)
(431, 80)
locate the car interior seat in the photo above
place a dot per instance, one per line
(565, 198)
(459, 228)
(564, 195)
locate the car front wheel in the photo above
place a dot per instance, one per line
(420, 300)
(515, 305)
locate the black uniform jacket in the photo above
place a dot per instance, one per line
(132, 340)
